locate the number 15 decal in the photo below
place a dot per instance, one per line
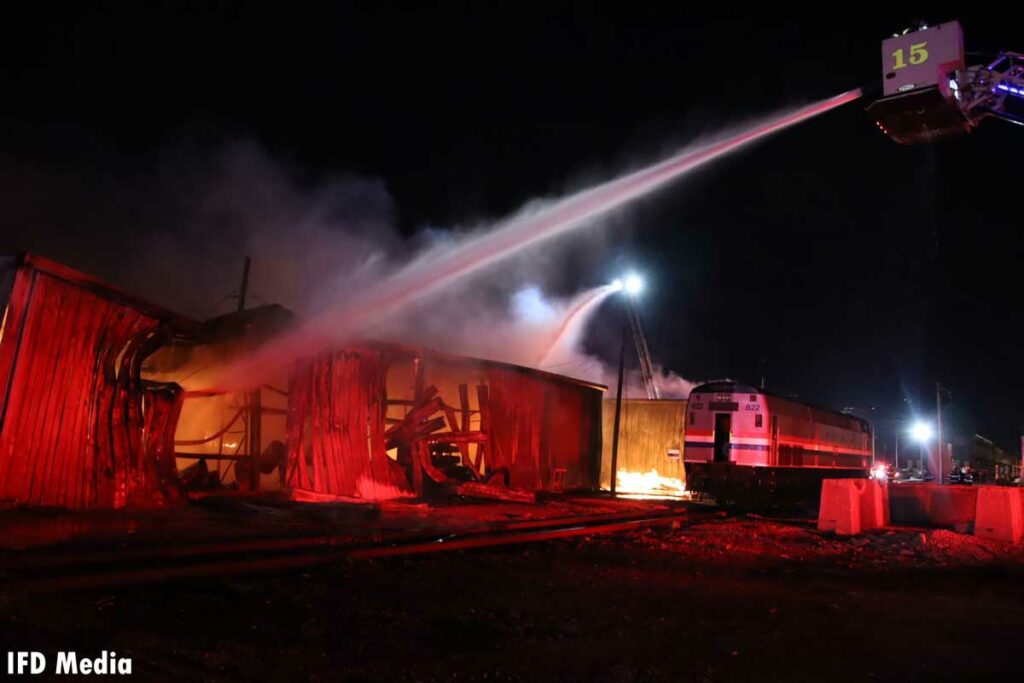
(918, 55)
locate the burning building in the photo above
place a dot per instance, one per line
(79, 428)
(110, 402)
(650, 450)
(377, 420)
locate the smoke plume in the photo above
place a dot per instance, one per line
(176, 229)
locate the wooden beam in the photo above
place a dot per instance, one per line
(488, 492)
(456, 437)
(483, 400)
(449, 413)
(464, 404)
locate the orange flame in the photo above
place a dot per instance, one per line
(649, 484)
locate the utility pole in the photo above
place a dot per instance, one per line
(1020, 473)
(897, 465)
(255, 401)
(245, 284)
(618, 411)
(938, 429)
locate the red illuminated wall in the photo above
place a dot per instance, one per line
(543, 428)
(80, 429)
(336, 428)
(72, 405)
(542, 425)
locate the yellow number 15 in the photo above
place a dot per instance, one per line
(918, 55)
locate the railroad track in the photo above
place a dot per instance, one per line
(61, 569)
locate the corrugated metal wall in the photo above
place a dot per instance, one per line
(79, 428)
(72, 404)
(647, 430)
(336, 428)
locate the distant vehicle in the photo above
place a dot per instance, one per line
(746, 445)
(961, 475)
(911, 476)
(885, 472)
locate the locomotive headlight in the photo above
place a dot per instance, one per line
(921, 431)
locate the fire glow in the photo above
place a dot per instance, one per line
(444, 267)
(648, 485)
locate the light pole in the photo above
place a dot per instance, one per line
(897, 465)
(898, 427)
(938, 422)
(632, 285)
(922, 433)
(618, 411)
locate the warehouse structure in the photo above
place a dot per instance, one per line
(109, 402)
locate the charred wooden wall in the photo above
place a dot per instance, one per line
(544, 429)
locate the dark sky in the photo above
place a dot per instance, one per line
(860, 270)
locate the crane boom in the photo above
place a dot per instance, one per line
(643, 353)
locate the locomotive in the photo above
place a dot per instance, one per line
(747, 446)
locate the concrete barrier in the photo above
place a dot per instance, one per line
(949, 506)
(874, 505)
(840, 506)
(850, 506)
(999, 515)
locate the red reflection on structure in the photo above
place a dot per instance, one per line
(78, 426)
(532, 430)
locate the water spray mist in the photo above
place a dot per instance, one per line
(438, 270)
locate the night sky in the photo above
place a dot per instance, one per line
(861, 271)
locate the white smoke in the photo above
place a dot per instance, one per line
(178, 235)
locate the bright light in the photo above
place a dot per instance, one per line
(921, 431)
(633, 284)
(616, 285)
(879, 471)
(649, 484)
(1013, 91)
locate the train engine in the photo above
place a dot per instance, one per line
(746, 446)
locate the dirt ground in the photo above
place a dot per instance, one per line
(725, 598)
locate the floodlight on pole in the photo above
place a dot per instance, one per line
(633, 284)
(921, 432)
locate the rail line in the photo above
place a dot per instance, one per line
(64, 570)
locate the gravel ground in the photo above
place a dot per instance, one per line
(727, 598)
